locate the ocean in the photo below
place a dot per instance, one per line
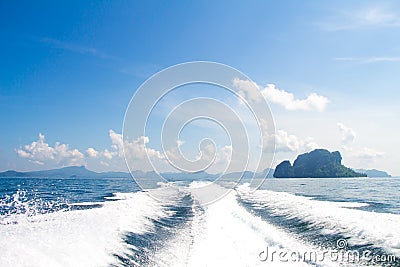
(286, 222)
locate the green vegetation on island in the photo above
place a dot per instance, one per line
(319, 163)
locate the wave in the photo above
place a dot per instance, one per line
(309, 219)
(136, 229)
(226, 234)
(22, 203)
(88, 237)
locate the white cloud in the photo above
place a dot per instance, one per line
(92, 152)
(112, 158)
(348, 134)
(136, 152)
(137, 149)
(222, 159)
(107, 154)
(117, 143)
(246, 89)
(291, 143)
(216, 158)
(288, 101)
(280, 97)
(366, 18)
(116, 148)
(104, 163)
(42, 153)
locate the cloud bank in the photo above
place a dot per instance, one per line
(281, 97)
(112, 158)
(291, 143)
(40, 152)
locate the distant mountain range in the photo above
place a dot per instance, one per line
(66, 172)
(82, 172)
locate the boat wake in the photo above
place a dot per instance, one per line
(135, 229)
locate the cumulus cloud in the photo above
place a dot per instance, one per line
(222, 159)
(117, 143)
(92, 152)
(137, 149)
(347, 134)
(136, 152)
(41, 153)
(215, 158)
(286, 142)
(280, 97)
(289, 102)
(115, 150)
(247, 89)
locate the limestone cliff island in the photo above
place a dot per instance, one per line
(319, 163)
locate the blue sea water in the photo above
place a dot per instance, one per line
(111, 222)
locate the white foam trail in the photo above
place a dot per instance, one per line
(206, 193)
(85, 204)
(176, 250)
(226, 234)
(362, 227)
(79, 237)
(199, 184)
(349, 204)
(221, 234)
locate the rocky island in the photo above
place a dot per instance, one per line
(319, 163)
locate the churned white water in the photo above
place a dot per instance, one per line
(221, 233)
(87, 237)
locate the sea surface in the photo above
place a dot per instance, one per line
(286, 222)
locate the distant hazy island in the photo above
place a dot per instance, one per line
(80, 172)
(374, 173)
(65, 172)
(319, 163)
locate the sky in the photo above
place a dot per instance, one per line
(328, 69)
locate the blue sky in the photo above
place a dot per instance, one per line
(69, 70)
